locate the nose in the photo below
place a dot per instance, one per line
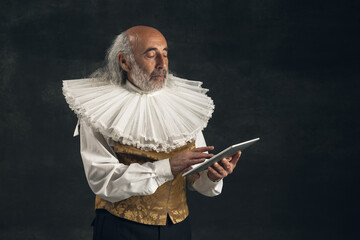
(161, 62)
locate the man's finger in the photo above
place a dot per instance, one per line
(195, 176)
(235, 158)
(195, 155)
(203, 149)
(196, 160)
(186, 170)
(226, 165)
(220, 169)
(214, 172)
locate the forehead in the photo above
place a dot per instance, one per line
(140, 42)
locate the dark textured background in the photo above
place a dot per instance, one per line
(282, 70)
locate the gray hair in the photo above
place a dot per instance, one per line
(112, 72)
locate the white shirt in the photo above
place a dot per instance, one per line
(114, 181)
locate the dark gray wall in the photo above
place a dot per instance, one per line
(285, 71)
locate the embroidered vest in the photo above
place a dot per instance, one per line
(168, 199)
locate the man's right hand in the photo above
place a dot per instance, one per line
(183, 161)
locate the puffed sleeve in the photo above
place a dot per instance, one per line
(112, 180)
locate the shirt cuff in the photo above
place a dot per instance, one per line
(163, 171)
(207, 187)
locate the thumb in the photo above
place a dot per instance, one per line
(186, 170)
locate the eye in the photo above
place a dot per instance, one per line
(150, 54)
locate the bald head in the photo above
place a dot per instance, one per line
(142, 32)
(139, 36)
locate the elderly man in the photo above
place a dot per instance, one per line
(140, 129)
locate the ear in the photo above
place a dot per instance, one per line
(124, 63)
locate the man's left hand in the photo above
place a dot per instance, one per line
(223, 168)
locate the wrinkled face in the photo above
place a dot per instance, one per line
(150, 54)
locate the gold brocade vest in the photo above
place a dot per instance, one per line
(168, 199)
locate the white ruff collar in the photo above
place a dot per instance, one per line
(160, 121)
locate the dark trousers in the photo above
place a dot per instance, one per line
(109, 227)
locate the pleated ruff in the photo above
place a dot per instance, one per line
(162, 121)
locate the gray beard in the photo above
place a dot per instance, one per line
(142, 80)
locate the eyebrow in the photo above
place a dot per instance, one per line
(151, 49)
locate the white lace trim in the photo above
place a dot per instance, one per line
(160, 121)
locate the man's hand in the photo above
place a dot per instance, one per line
(218, 171)
(183, 161)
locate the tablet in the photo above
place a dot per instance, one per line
(228, 152)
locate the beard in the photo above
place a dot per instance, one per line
(145, 82)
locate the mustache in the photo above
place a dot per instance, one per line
(158, 72)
